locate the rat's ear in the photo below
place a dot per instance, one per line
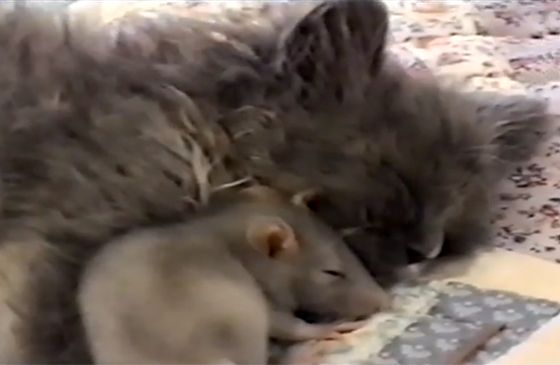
(273, 237)
(333, 51)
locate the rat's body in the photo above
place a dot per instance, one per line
(142, 127)
(214, 289)
(182, 307)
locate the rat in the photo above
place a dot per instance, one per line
(215, 288)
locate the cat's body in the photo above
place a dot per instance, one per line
(98, 138)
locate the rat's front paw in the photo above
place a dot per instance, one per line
(343, 327)
(334, 331)
(308, 331)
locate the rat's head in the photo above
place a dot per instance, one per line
(310, 260)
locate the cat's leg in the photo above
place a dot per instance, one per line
(521, 123)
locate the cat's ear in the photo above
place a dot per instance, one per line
(332, 52)
(273, 237)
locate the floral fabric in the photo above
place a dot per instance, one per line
(432, 323)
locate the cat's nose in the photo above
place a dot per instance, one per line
(413, 256)
(430, 247)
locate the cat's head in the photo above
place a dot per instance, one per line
(391, 178)
(407, 166)
(398, 164)
(403, 219)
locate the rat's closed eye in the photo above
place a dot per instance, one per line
(335, 273)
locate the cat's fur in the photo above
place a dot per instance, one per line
(102, 133)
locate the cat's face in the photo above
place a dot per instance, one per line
(394, 225)
(404, 167)
(392, 177)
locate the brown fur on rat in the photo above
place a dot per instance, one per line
(98, 138)
(216, 287)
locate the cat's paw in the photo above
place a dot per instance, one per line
(504, 108)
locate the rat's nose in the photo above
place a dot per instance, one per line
(367, 302)
(384, 301)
